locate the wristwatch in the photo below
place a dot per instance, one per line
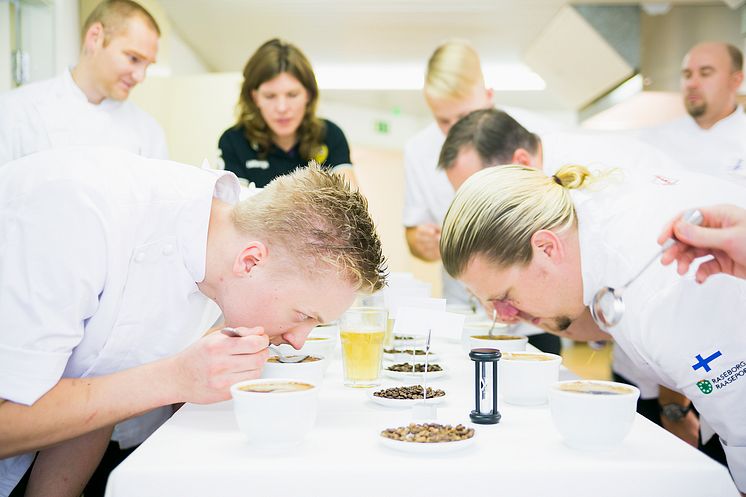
(675, 412)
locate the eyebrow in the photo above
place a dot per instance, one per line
(138, 54)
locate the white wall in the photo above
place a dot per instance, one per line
(6, 66)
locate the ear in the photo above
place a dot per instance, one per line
(489, 95)
(523, 157)
(94, 38)
(254, 97)
(251, 255)
(737, 79)
(547, 246)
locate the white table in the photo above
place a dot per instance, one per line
(200, 452)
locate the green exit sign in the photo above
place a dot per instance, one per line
(382, 127)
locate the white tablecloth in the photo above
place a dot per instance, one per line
(200, 452)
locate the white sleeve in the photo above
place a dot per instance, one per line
(696, 335)
(52, 270)
(415, 206)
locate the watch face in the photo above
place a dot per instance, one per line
(674, 412)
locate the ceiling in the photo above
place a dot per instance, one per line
(224, 33)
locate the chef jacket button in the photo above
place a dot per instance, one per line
(140, 257)
(168, 249)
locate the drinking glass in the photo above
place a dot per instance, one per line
(361, 332)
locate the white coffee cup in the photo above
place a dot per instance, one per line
(525, 377)
(482, 328)
(592, 414)
(501, 342)
(308, 371)
(275, 419)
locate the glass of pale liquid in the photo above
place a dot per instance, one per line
(361, 331)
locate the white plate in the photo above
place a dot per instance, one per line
(401, 402)
(427, 448)
(419, 359)
(400, 375)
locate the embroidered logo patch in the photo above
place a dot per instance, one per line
(705, 387)
(705, 363)
(257, 164)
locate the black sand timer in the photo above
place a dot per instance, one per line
(485, 386)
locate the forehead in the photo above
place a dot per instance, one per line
(303, 288)
(282, 82)
(486, 279)
(448, 108)
(137, 35)
(707, 55)
(469, 159)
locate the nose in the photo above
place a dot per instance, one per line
(297, 336)
(282, 104)
(506, 312)
(139, 74)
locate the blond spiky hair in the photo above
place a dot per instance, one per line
(318, 219)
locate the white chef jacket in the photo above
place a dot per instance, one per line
(100, 252)
(671, 324)
(600, 151)
(718, 151)
(56, 113)
(428, 194)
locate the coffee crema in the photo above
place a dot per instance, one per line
(594, 388)
(513, 356)
(276, 387)
(497, 337)
(276, 360)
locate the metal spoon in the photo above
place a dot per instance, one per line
(607, 307)
(494, 321)
(231, 332)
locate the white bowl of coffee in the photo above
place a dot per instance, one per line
(592, 414)
(275, 413)
(311, 369)
(477, 335)
(525, 377)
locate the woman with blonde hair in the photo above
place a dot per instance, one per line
(277, 129)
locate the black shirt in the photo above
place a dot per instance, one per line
(241, 159)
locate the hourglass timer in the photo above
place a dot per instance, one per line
(485, 386)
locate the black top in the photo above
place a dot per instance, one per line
(241, 159)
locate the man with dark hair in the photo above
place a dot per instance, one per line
(710, 139)
(87, 104)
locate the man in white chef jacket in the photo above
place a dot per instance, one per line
(538, 248)
(87, 105)
(107, 261)
(712, 138)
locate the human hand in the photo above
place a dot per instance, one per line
(424, 241)
(722, 235)
(205, 371)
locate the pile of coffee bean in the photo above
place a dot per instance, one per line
(410, 392)
(405, 367)
(428, 433)
(405, 351)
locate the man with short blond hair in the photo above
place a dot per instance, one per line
(87, 105)
(108, 263)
